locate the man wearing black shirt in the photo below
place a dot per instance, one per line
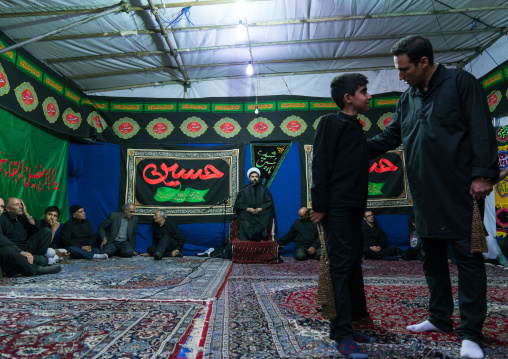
(305, 234)
(340, 170)
(445, 125)
(374, 240)
(18, 226)
(78, 237)
(13, 260)
(167, 240)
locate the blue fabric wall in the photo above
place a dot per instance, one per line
(93, 182)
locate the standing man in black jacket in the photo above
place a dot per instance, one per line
(118, 232)
(445, 125)
(305, 234)
(340, 170)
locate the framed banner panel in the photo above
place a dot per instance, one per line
(193, 184)
(388, 186)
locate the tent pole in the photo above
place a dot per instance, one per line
(122, 6)
(174, 53)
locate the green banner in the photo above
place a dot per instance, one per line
(33, 167)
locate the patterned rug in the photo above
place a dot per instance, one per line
(50, 329)
(274, 315)
(187, 278)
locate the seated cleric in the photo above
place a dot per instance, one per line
(304, 231)
(255, 209)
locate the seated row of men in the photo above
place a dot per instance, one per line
(27, 246)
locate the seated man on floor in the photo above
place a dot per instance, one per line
(374, 240)
(255, 209)
(305, 234)
(118, 232)
(167, 240)
(50, 221)
(19, 227)
(78, 237)
(414, 252)
(14, 261)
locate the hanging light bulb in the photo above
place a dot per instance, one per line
(256, 111)
(250, 70)
(241, 31)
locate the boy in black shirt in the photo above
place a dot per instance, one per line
(340, 171)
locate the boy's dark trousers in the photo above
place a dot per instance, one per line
(343, 227)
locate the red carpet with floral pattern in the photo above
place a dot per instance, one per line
(274, 315)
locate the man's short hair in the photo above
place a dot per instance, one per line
(125, 206)
(415, 47)
(162, 213)
(7, 203)
(52, 209)
(346, 84)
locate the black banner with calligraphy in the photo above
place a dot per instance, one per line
(268, 157)
(191, 183)
(388, 186)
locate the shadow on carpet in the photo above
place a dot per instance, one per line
(187, 278)
(276, 317)
(50, 329)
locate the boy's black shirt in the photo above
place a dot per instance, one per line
(340, 166)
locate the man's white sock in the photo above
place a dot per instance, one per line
(425, 326)
(100, 256)
(470, 349)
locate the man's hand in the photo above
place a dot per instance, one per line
(317, 217)
(480, 188)
(54, 224)
(87, 248)
(311, 250)
(175, 253)
(104, 241)
(375, 248)
(29, 257)
(23, 208)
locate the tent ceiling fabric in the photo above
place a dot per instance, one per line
(142, 50)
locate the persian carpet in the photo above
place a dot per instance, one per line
(56, 328)
(274, 315)
(180, 279)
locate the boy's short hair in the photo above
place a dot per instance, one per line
(346, 84)
(52, 209)
(415, 47)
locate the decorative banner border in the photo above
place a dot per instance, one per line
(4, 82)
(382, 120)
(160, 128)
(96, 121)
(293, 126)
(26, 96)
(227, 127)
(193, 127)
(364, 120)
(494, 99)
(405, 201)
(260, 127)
(50, 109)
(126, 127)
(71, 119)
(195, 211)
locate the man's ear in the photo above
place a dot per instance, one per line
(347, 99)
(424, 61)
